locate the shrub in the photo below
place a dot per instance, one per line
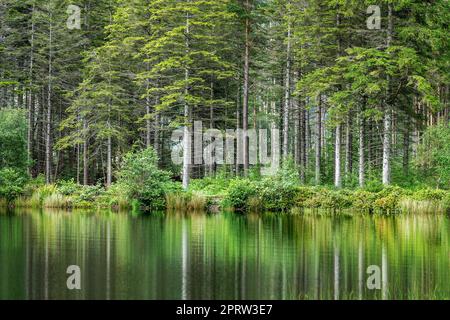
(210, 186)
(446, 202)
(88, 194)
(329, 199)
(12, 183)
(363, 200)
(238, 194)
(429, 194)
(68, 187)
(302, 195)
(115, 196)
(388, 199)
(276, 195)
(255, 204)
(144, 181)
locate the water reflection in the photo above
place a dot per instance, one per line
(222, 256)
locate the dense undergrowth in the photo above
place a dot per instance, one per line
(141, 185)
(241, 195)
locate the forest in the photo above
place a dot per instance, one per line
(354, 95)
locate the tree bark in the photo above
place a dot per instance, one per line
(187, 134)
(362, 163)
(406, 145)
(349, 148)
(109, 161)
(246, 90)
(337, 159)
(287, 100)
(387, 127)
(318, 139)
(148, 128)
(85, 155)
(31, 96)
(48, 147)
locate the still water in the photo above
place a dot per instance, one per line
(224, 256)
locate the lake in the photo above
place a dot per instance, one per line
(224, 256)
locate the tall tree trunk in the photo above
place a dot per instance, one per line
(337, 147)
(31, 96)
(211, 120)
(246, 90)
(337, 159)
(318, 138)
(187, 134)
(156, 131)
(287, 95)
(48, 147)
(349, 148)
(406, 144)
(387, 127)
(109, 161)
(238, 126)
(148, 126)
(302, 142)
(85, 154)
(362, 163)
(273, 124)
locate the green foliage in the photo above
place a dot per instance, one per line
(433, 160)
(68, 187)
(238, 194)
(276, 194)
(12, 183)
(13, 144)
(329, 200)
(430, 194)
(142, 180)
(210, 185)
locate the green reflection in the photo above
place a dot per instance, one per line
(224, 256)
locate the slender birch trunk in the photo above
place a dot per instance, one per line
(337, 158)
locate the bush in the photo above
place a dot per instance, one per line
(389, 198)
(238, 194)
(330, 200)
(12, 183)
(429, 194)
(363, 200)
(446, 202)
(115, 197)
(68, 187)
(276, 195)
(142, 180)
(210, 186)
